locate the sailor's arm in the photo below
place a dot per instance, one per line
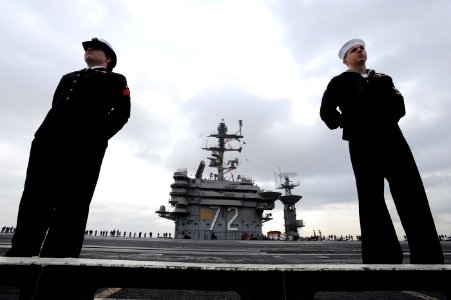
(328, 111)
(397, 100)
(120, 112)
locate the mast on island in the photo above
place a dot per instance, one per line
(217, 152)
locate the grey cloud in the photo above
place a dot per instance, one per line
(405, 40)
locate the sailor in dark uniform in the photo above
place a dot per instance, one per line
(369, 110)
(89, 107)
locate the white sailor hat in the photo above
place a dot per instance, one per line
(348, 45)
(105, 46)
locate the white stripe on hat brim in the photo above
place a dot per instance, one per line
(348, 45)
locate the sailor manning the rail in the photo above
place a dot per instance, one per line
(89, 107)
(369, 110)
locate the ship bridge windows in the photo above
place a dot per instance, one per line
(178, 192)
(229, 190)
(179, 184)
(180, 176)
(175, 197)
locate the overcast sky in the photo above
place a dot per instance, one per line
(190, 64)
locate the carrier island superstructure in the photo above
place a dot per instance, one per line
(217, 207)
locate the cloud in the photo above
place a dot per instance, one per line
(190, 64)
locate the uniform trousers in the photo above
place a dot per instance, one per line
(390, 158)
(61, 179)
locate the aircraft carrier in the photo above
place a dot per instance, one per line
(225, 205)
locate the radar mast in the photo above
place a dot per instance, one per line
(289, 202)
(217, 152)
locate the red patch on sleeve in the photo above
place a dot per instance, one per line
(126, 92)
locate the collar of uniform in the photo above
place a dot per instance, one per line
(368, 73)
(96, 68)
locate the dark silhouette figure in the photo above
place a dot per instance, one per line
(88, 108)
(369, 110)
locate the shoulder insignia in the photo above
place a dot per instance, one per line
(126, 91)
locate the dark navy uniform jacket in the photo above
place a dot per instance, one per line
(88, 105)
(366, 108)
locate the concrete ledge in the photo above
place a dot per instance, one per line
(80, 278)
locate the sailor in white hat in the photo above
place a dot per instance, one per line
(354, 56)
(348, 45)
(368, 107)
